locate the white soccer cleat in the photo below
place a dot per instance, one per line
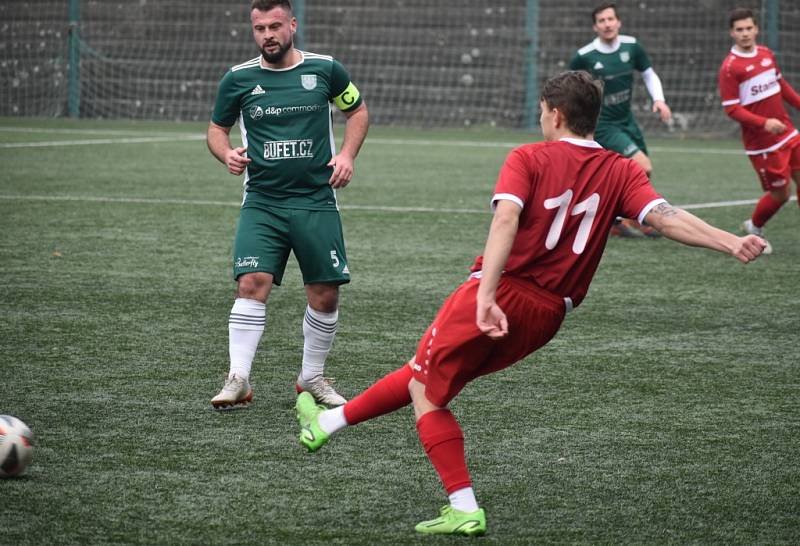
(749, 228)
(235, 393)
(322, 391)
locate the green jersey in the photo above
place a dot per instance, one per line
(285, 120)
(614, 65)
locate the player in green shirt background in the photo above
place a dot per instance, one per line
(282, 101)
(613, 58)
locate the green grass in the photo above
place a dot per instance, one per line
(665, 411)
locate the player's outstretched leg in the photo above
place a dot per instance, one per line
(311, 435)
(455, 522)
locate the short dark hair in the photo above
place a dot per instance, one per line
(602, 7)
(577, 96)
(737, 14)
(266, 5)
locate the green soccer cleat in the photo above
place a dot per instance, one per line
(311, 435)
(455, 522)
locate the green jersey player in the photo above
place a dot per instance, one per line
(613, 58)
(282, 101)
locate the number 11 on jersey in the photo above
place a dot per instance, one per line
(587, 207)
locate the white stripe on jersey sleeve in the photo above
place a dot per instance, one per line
(247, 64)
(729, 102)
(507, 197)
(648, 207)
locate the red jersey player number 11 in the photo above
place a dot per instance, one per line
(554, 203)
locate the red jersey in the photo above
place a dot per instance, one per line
(570, 192)
(753, 90)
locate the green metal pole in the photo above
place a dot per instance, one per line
(532, 65)
(74, 90)
(773, 25)
(299, 9)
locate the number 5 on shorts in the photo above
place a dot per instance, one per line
(334, 259)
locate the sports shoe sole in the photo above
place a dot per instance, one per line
(228, 406)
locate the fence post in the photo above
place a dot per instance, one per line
(773, 25)
(532, 65)
(299, 9)
(74, 90)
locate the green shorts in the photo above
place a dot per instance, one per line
(265, 235)
(625, 138)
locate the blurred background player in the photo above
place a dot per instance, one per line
(282, 102)
(554, 203)
(753, 90)
(612, 58)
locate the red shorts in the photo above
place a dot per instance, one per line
(453, 351)
(775, 168)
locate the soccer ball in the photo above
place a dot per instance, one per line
(16, 446)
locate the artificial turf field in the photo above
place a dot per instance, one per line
(667, 410)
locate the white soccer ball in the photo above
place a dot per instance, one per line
(16, 446)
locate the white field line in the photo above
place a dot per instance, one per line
(87, 131)
(96, 141)
(510, 145)
(133, 138)
(370, 208)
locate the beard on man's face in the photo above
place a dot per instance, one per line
(279, 54)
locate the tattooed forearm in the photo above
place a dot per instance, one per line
(664, 209)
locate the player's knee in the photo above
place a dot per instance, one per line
(254, 286)
(323, 297)
(419, 400)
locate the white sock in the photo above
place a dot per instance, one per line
(464, 500)
(245, 326)
(319, 329)
(332, 420)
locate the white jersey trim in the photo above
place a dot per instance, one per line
(310, 55)
(648, 207)
(587, 48)
(252, 63)
(243, 131)
(506, 197)
(603, 47)
(581, 142)
(774, 146)
(332, 138)
(729, 102)
(736, 51)
(295, 65)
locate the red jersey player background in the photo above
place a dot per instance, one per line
(554, 203)
(753, 91)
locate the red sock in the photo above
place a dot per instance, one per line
(766, 207)
(444, 443)
(386, 395)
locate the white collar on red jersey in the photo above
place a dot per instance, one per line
(740, 53)
(581, 142)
